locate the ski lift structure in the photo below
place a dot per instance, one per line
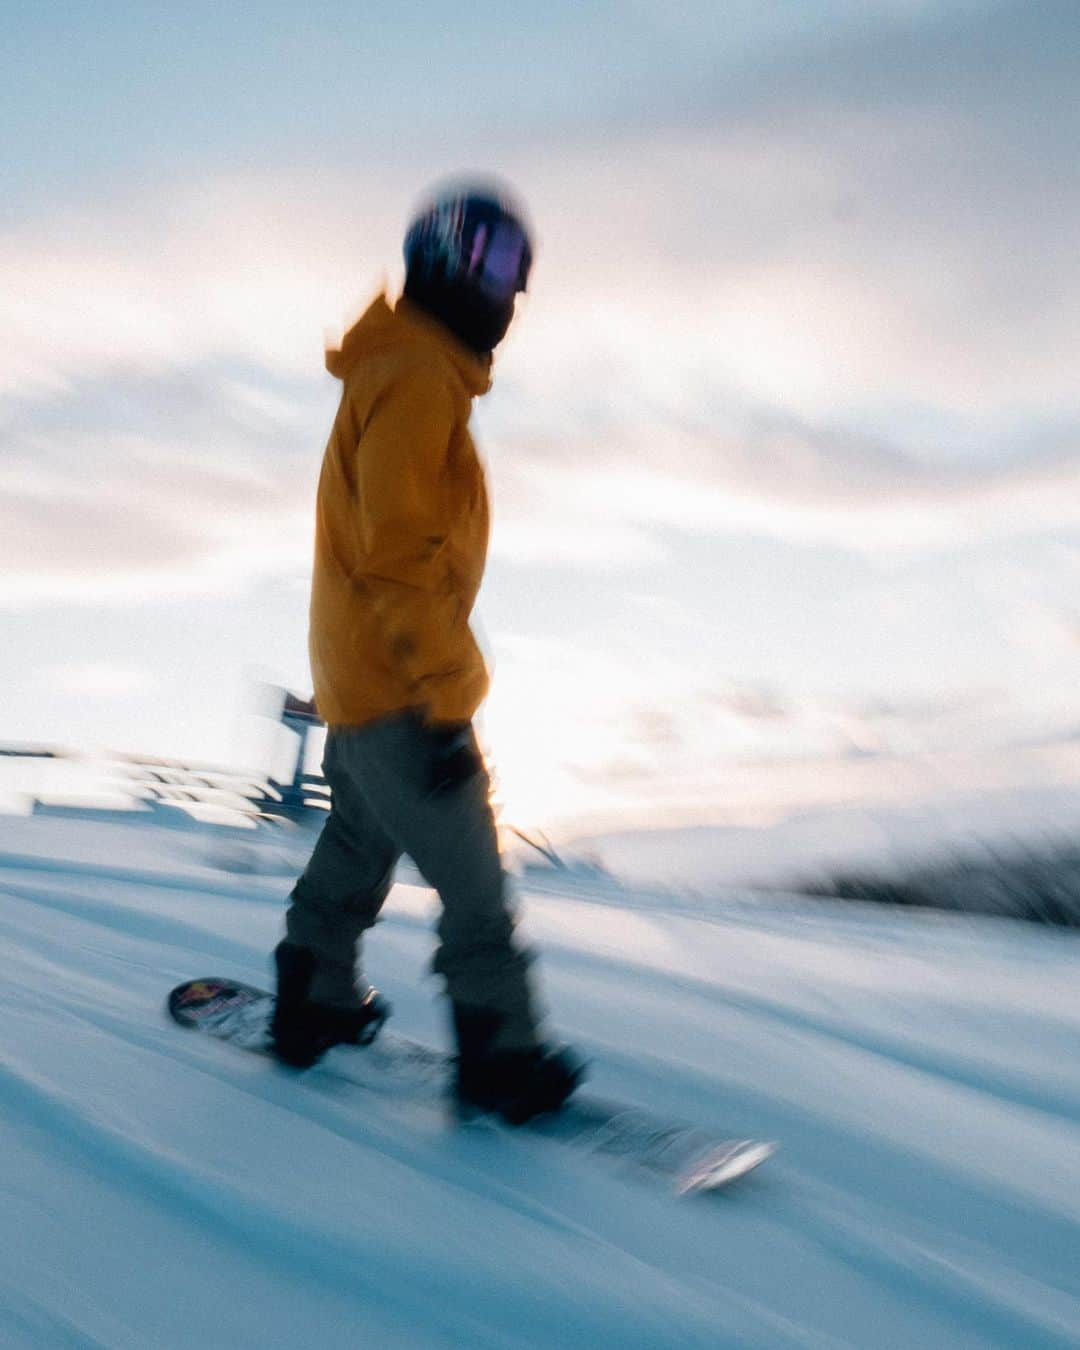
(184, 795)
(306, 793)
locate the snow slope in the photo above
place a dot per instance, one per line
(163, 1190)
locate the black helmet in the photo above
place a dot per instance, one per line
(471, 236)
(467, 255)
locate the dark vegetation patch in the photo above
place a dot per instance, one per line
(1041, 885)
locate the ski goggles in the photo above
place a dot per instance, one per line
(499, 259)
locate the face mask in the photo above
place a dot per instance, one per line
(481, 323)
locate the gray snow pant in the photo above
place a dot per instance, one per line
(380, 809)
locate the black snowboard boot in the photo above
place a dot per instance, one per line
(516, 1084)
(301, 1032)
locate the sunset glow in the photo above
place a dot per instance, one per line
(782, 446)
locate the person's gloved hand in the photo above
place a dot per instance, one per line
(453, 758)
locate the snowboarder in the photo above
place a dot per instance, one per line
(400, 541)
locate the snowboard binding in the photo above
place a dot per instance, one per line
(301, 1032)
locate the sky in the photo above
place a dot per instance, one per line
(782, 446)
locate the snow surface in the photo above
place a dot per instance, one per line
(800, 845)
(162, 1190)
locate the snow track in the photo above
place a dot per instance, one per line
(160, 1189)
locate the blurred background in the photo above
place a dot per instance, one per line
(783, 611)
(783, 446)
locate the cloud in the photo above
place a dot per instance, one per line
(96, 679)
(864, 216)
(757, 703)
(771, 477)
(546, 533)
(830, 225)
(690, 738)
(988, 55)
(809, 302)
(234, 267)
(141, 485)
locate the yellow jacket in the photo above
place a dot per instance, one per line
(401, 525)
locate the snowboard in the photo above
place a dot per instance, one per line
(688, 1157)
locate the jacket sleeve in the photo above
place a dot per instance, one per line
(401, 480)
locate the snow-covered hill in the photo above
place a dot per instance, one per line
(162, 1190)
(804, 844)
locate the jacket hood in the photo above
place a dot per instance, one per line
(381, 327)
